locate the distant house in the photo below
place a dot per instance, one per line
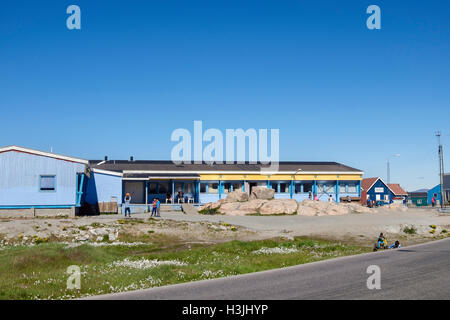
(436, 191)
(400, 195)
(377, 190)
(418, 198)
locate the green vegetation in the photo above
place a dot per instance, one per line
(209, 211)
(272, 214)
(39, 272)
(410, 230)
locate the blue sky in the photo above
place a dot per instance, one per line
(137, 70)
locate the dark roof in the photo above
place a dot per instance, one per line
(165, 165)
(418, 194)
(160, 175)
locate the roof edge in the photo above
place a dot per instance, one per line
(43, 154)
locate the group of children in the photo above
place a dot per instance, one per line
(156, 205)
(382, 243)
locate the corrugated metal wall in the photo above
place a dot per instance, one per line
(103, 187)
(19, 180)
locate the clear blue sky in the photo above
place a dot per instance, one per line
(137, 70)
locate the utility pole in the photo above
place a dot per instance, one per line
(441, 169)
(389, 167)
(388, 172)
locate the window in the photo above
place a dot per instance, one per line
(213, 188)
(152, 188)
(320, 188)
(284, 187)
(202, 187)
(307, 187)
(329, 188)
(226, 187)
(352, 188)
(178, 187)
(342, 188)
(188, 187)
(237, 186)
(47, 183)
(275, 186)
(163, 187)
(298, 188)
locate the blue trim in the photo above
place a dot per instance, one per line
(80, 190)
(291, 191)
(38, 207)
(337, 191)
(359, 188)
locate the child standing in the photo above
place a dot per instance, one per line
(154, 205)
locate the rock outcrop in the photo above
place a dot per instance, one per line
(279, 206)
(236, 196)
(262, 193)
(261, 201)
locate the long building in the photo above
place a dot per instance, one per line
(202, 183)
(31, 179)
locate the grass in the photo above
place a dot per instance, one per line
(410, 230)
(209, 211)
(272, 214)
(39, 272)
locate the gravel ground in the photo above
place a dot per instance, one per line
(359, 228)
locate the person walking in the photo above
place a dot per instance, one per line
(433, 202)
(127, 205)
(330, 198)
(154, 205)
(158, 208)
(309, 195)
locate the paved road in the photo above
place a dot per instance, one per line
(415, 272)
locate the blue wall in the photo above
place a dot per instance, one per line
(19, 180)
(436, 190)
(379, 184)
(101, 187)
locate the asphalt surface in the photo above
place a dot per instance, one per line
(415, 272)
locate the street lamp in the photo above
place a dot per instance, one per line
(389, 167)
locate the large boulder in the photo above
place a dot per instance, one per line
(229, 208)
(306, 211)
(210, 206)
(279, 206)
(236, 196)
(335, 209)
(262, 193)
(252, 206)
(206, 206)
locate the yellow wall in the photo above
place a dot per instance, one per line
(240, 177)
